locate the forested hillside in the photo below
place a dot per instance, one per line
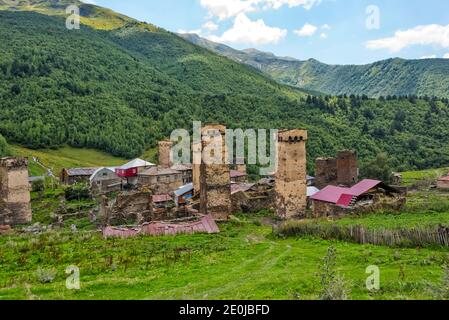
(121, 90)
(426, 77)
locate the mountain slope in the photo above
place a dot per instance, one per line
(121, 90)
(389, 77)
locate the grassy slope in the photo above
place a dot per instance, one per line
(67, 157)
(412, 177)
(243, 262)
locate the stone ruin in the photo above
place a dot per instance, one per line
(15, 206)
(291, 174)
(340, 171)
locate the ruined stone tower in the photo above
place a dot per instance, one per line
(291, 175)
(347, 168)
(215, 181)
(165, 159)
(325, 172)
(15, 207)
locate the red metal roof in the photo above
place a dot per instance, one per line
(444, 178)
(343, 196)
(205, 225)
(330, 194)
(364, 186)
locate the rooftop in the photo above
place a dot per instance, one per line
(159, 171)
(136, 163)
(81, 171)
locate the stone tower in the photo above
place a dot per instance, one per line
(291, 175)
(15, 207)
(215, 181)
(347, 168)
(165, 149)
(325, 172)
(196, 167)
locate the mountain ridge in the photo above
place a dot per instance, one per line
(395, 76)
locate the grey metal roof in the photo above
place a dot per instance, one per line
(81, 171)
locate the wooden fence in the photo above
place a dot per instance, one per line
(410, 238)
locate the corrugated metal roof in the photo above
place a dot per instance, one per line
(345, 200)
(205, 225)
(237, 174)
(162, 198)
(311, 191)
(184, 189)
(363, 187)
(81, 171)
(237, 187)
(330, 194)
(159, 171)
(136, 163)
(182, 167)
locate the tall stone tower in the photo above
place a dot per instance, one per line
(196, 167)
(325, 172)
(215, 180)
(291, 175)
(15, 207)
(347, 168)
(165, 149)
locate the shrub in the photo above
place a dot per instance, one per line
(333, 285)
(45, 275)
(77, 191)
(38, 186)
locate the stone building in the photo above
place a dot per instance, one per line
(76, 175)
(342, 170)
(291, 175)
(105, 180)
(215, 181)
(15, 207)
(196, 167)
(161, 180)
(186, 170)
(165, 150)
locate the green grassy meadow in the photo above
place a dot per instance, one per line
(244, 261)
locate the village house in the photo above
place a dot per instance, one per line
(184, 194)
(105, 180)
(130, 171)
(186, 170)
(162, 202)
(366, 196)
(161, 180)
(76, 175)
(443, 183)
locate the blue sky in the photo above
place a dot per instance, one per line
(332, 31)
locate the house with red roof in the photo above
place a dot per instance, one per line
(367, 195)
(443, 183)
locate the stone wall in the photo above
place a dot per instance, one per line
(215, 181)
(291, 175)
(162, 184)
(15, 207)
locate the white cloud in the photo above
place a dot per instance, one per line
(323, 35)
(210, 26)
(446, 56)
(225, 9)
(307, 31)
(432, 34)
(433, 56)
(246, 31)
(276, 4)
(326, 27)
(195, 31)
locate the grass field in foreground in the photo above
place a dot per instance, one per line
(66, 157)
(244, 261)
